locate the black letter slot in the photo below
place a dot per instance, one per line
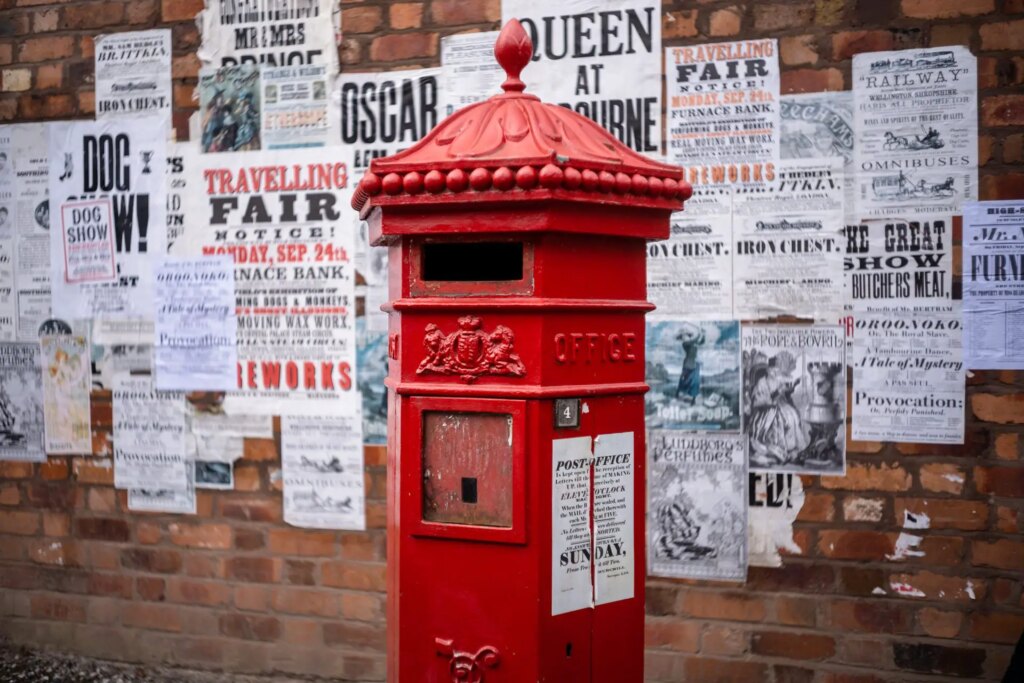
(469, 490)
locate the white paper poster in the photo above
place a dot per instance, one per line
(788, 243)
(109, 191)
(297, 108)
(908, 378)
(292, 33)
(689, 275)
(723, 108)
(196, 326)
(176, 500)
(281, 216)
(599, 58)
(67, 380)
(149, 436)
(917, 131)
(21, 403)
(323, 474)
(181, 165)
(698, 505)
(993, 244)
(571, 542)
(614, 547)
(234, 425)
(775, 500)
(469, 71)
(794, 397)
(31, 215)
(133, 74)
(8, 221)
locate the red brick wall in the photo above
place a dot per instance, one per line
(235, 589)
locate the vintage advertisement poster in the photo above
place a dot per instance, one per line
(212, 421)
(794, 397)
(614, 547)
(133, 74)
(196, 326)
(297, 108)
(689, 275)
(908, 378)
(775, 500)
(67, 380)
(820, 125)
(372, 369)
(600, 59)
(698, 505)
(282, 217)
(214, 474)
(993, 280)
(149, 436)
(322, 460)
(31, 215)
(693, 369)
(788, 243)
(176, 500)
(916, 127)
(280, 33)
(723, 109)
(229, 109)
(8, 220)
(571, 542)
(181, 163)
(108, 189)
(21, 403)
(469, 71)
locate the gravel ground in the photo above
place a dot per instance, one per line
(20, 665)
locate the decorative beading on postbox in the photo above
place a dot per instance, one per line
(515, 147)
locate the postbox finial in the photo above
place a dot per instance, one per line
(513, 51)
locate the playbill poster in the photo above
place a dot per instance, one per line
(794, 397)
(133, 74)
(279, 215)
(571, 541)
(8, 220)
(820, 125)
(30, 212)
(917, 131)
(322, 459)
(723, 108)
(149, 436)
(993, 282)
(690, 274)
(108, 192)
(788, 243)
(469, 71)
(229, 109)
(181, 163)
(297, 108)
(67, 380)
(600, 59)
(774, 501)
(693, 369)
(270, 32)
(21, 403)
(908, 378)
(698, 505)
(614, 547)
(176, 500)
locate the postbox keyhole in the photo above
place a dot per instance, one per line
(469, 490)
(568, 649)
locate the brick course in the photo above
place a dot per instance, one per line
(235, 589)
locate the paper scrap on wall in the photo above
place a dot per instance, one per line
(794, 397)
(149, 436)
(599, 59)
(775, 500)
(993, 244)
(693, 369)
(31, 215)
(280, 215)
(469, 72)
(698, 505)
(67, 380)
(571, 541)
(916, 131)
(322, 459)
(196, 326)
(21, 403)
(133, 74)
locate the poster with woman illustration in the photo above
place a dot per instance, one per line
(794, 398)
(229, 108)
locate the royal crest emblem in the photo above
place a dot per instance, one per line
(469, 352)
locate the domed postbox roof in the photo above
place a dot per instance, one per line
(513, 147)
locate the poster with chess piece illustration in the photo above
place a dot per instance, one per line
(693, 369)
(698, 505)
(794, 398)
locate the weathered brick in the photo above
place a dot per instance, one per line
(1002, 186)
(797, 50)
(1000, 481)
(855, 545)
(661, 601)
(1001, 110)
(944, 513)
(926, 658)
(707, 670)
(730, 606)
(881, 477)
(1002, 554)
(998, 627)
(949, 34)
(304, 601)
(354, 634)
(59, 608)
(16, 80)
(846, 44)
(300, 573)
(818, 507)
(306, 543)
(796, 611)
(59, 552)
(151, 588)
(191, 592)
(362, 606)
(681, 24)
(672, 634)
(811, 80)
(249, 539)
(1007, 35)
(113, 585)
(718, 639)
(405, 15)
(361, 19)
(1007, 446)
(870, 616)
(939, 623)
(400, 46)
(932, 586)
(807, 646)
(861, 509)
(94, 470)
(92, 15)
(353, 575)
(19, 522)
(10, 494)
(103, 529)
(51, 495)
(946, 9)
(458, 12)
(725, 22)
(180, 10)
(942, 478)
(254, 569)
(152, 560)
(208, 536)
(151, 616)
(769, 18)
(250, 627)
(251, 509)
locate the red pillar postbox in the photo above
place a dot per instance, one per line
(517, 238)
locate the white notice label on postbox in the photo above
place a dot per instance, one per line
(570, 525)
(614, 556)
